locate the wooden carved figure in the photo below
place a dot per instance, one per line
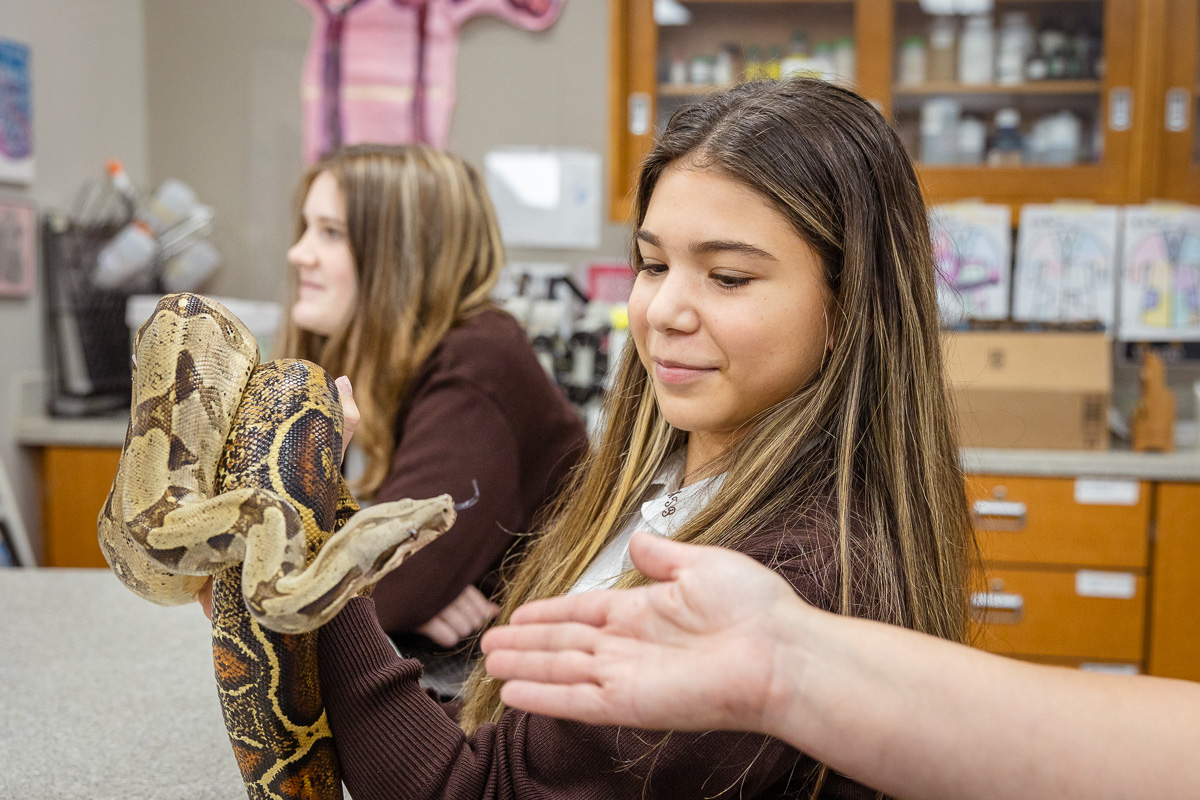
(1154, 419)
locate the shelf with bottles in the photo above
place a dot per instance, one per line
(1040, 87)
(1029, 91)
(724, 43)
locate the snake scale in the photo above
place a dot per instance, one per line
(230, 469)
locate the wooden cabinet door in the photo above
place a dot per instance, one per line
(1175, 102)
(75, 484)
(1175, 609)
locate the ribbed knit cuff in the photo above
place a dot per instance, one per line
(392, 739)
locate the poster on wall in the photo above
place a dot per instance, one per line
(18, 247)
(972, 246)
(1066, 264)
(16, 116)
(1160, 276)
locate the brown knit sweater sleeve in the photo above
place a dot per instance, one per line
(394, 742)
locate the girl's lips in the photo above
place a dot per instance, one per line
(670, 372)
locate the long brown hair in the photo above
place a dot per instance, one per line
(867, 444)
(427, 253)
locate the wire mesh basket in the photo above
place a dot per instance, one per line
(87, 341)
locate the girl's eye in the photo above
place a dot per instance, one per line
(652, 268)
(730, 281)
(332, 233)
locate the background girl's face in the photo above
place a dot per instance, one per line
(328, 284)
(729, 311)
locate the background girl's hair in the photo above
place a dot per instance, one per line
(427, 252)
(867, 446)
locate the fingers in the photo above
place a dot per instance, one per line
(205, 598)
(659, 558)
(582, 702)
(440, 632)
(465, 615)
(350, 415)
(590, 608)
(571, 666)
(546, 638)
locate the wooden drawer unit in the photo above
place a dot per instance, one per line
(1066, 521)
(1055, 613)
(75, 484)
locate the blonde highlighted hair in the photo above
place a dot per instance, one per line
(867, 444)
(427, 253)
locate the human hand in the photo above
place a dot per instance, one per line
(350, 415)
(466, 614)
(205, 598)
(698, 651)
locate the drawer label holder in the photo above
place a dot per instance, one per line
(1112, 585)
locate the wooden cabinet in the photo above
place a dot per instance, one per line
(1065, 569)
(75, 484)
(1173, 104)
(1126, 155)
(1175, 610)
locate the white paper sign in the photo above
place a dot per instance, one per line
(546, 197)
(1110, 669)
(1107, 491)
(1160, 276)
(1066, 264)
(972, 245)
(1114, 585)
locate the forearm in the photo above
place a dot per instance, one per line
(919, 717)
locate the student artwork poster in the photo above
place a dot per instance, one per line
(1160, 278)
(1066, 264)
(972, 245)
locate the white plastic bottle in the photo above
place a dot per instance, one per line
(976, 51)
(1016, 47)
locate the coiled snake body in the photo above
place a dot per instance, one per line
(230, 469)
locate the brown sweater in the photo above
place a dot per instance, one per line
(393, 741)
(481, 408)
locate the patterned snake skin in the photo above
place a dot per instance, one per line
(230, 469)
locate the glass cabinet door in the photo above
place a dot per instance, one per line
(1030, 101)
(668, 54)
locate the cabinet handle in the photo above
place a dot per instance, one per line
(1179, 106)
(999, 608)
(998, 515)
(639, 113)
(1120, 108)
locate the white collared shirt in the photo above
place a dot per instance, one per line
(670, 506)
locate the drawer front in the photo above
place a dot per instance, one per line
(1062, 614)
(1020, 520)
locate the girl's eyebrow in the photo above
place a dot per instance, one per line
(711, 246)
(335, 221)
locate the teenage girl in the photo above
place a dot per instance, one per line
(397, 250)
(783, 397)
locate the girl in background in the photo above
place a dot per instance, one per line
(397, 250)
(783, 397)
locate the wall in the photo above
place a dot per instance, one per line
(224, 115)
(88, 73)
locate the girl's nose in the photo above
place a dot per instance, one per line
(300, 255)
(673, 307)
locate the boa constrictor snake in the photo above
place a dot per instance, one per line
(231, 469)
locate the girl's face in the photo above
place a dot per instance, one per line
(328, 284)
(729, 311)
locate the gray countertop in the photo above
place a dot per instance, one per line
(106, 694)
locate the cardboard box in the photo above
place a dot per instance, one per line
(1030, 390)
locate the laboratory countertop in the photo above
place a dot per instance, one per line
(35, 428)
(108, 695)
